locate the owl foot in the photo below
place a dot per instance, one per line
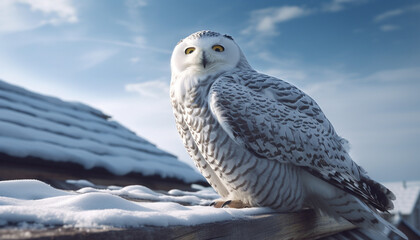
(228, 204)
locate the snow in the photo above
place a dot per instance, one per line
(33, 202)
(51, 129)
(29, 190)
(142, 193)
(407, 194)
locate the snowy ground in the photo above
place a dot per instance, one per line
(32, 203)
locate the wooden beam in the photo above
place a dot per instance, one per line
(301, 225)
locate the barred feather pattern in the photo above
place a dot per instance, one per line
(234, 173)
(264, 142)
(275, 120)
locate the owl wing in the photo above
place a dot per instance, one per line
(277, 121)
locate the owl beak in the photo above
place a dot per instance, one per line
(204, 60)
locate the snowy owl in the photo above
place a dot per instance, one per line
(260, 141)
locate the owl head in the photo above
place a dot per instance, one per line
(206, 53)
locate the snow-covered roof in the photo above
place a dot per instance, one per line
(46, 127)
(407, 194)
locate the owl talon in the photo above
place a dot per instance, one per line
(217, 203)
(226, 203)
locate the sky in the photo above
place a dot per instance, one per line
(359, 60)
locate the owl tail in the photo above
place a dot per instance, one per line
(357, 212)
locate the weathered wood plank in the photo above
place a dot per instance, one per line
(301, 225)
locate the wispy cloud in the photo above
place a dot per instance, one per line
(135, 3)
(96, 57)
(134, 22)
(395, 75)
(155, 88)
(264, 21)
(22, 15)
(135, 44)
(388, 14)
(391, 14)
(396, 12)
(337, 5)
(60, 10)
(389, 27)
(140, 40)
(296, 72)
(134, 60)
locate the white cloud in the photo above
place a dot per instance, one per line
(337, 5)
(340, 5)
(388, 14)
(126, 44)
(264, 21)
(395, 75)
(389, 27)
(140, 40)
(135, 3)
(134, 59)
(396, 12)
(154, 89)
(292, 71)
(22, 15)
(134, 23)
(392, 14)
(96, 57)
(61, 10)
(284, 73)
(13, 18)
(283, 69)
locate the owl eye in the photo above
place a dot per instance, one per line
(189, 50)
(218, 48)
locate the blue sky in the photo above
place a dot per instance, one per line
(360, 60)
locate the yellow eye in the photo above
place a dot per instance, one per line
(189, 50)
(218, 48)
